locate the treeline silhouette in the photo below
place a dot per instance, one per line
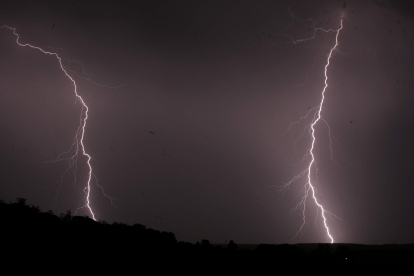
(33, 240)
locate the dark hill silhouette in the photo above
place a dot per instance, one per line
(33, 240)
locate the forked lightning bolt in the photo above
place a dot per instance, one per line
(78, 144)
(309, 187)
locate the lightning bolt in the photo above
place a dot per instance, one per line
(309, 188)
(78, 143)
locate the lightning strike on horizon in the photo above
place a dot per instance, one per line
(78, 142)
(309, 187)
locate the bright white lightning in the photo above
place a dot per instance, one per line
(309, 187)
(78, 143)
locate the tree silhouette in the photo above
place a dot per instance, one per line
(21, 201)
(67, 217)
(232, 246)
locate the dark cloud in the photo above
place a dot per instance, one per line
(405, 7)
(194, 134)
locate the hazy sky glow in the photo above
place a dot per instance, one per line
(191, 143)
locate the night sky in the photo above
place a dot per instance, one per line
(191, 142)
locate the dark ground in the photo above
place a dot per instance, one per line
(33, 240)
